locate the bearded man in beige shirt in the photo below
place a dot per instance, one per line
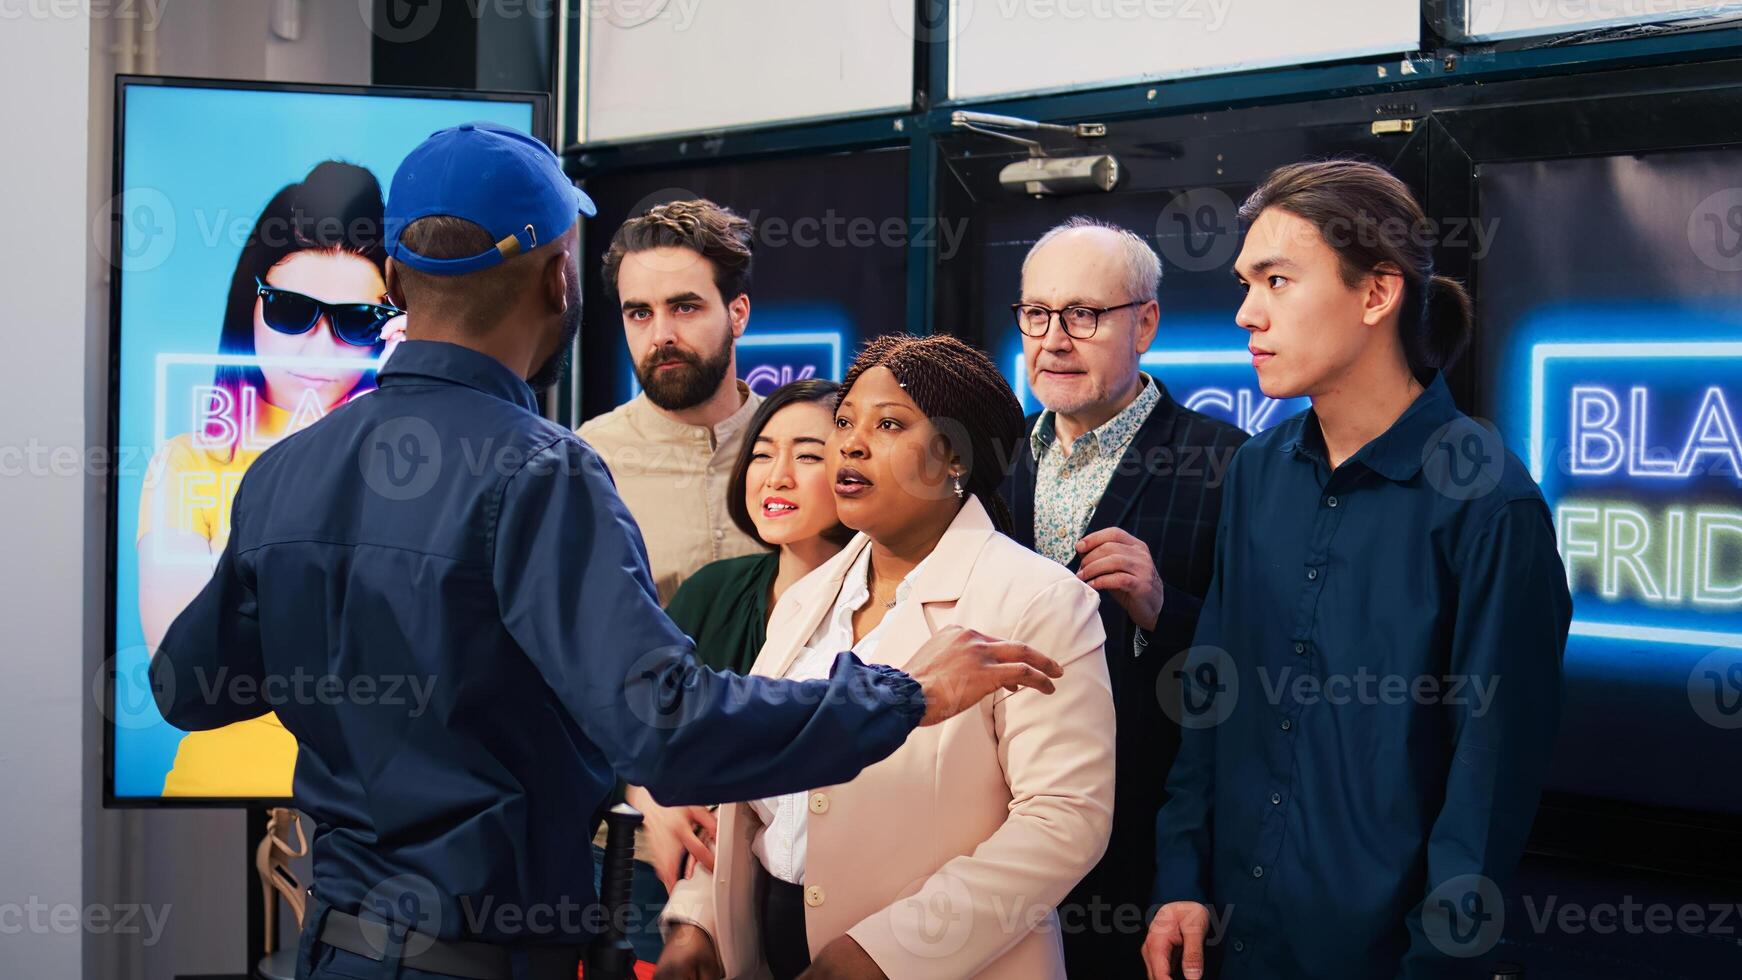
(680, 275)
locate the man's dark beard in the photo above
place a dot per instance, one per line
(552, 370)
(693, 382)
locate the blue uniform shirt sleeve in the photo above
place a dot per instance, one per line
(571, 578)
(1510, 635)
(208, 671)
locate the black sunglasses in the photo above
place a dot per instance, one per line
(357, 324)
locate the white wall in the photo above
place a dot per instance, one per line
(1005, 47)
(668, 66)
(233, 39)
(44, 71)
(1497, 19)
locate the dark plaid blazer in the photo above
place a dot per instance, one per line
(1166, 492)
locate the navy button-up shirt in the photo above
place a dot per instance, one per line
(1371, 702)
(448, 605)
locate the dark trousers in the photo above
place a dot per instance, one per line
(783, 933)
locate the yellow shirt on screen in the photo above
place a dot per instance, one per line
(189, 489)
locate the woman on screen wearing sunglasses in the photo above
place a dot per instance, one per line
(307, 299)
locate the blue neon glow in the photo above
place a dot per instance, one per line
(1639, 457)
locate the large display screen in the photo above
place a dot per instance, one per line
(1611, 304)
(250, 222)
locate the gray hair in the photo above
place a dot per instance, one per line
(1142, 265)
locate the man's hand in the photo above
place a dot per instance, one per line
(392, 335)
(674, 832)
(843, 959)
(1178, 928)
(689, 955)
(957, 667)
(1114, 561)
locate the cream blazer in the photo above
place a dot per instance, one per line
(947, 858)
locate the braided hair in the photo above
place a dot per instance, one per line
(970, 403)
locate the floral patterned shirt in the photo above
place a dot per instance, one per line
(1067, 487)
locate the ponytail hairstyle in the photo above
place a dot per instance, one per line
(1373, 223)
(964, 396)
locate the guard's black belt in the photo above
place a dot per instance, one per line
(452, 957)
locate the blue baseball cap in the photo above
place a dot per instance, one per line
(494, 176)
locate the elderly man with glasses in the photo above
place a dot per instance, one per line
(1122, 484)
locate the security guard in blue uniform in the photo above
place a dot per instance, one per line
(443, 598)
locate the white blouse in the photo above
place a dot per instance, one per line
(780, 843)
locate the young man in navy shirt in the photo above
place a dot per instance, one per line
(1372, 698)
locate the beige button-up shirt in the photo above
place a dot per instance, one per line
(673, 479)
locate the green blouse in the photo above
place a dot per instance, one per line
(724, 608)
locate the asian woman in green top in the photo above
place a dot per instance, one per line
(784, 499)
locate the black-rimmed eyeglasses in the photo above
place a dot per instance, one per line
(1079, 322)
